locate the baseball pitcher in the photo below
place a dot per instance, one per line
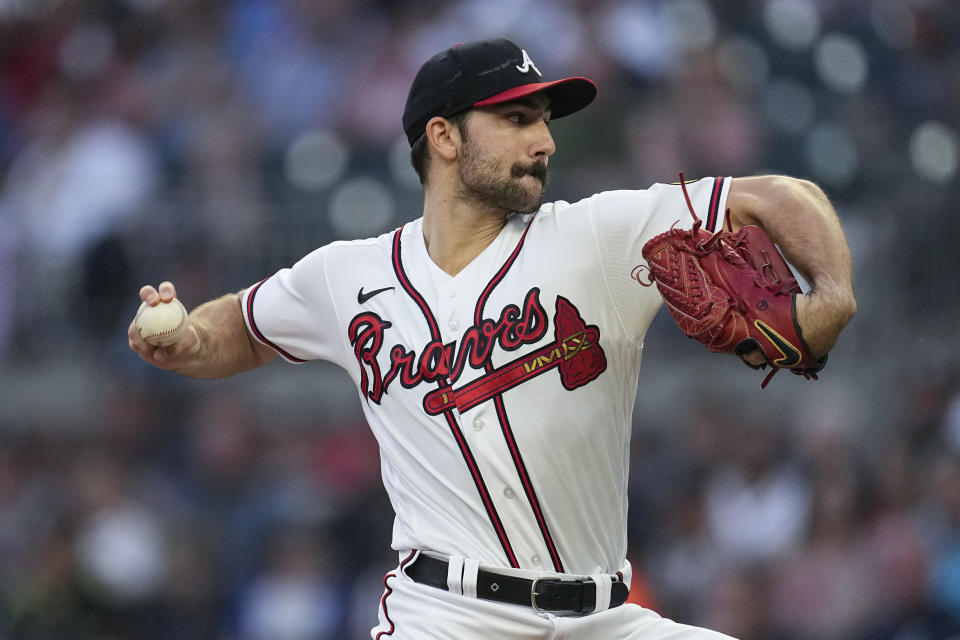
(495, 344)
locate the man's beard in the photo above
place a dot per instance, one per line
(482, 182)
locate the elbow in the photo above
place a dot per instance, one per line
(822, 317)
(842, 305)
(842, 299)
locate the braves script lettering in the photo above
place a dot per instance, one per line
(514, 328)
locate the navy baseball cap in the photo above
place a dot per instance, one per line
(484, 73)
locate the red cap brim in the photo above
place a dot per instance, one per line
(566, 96)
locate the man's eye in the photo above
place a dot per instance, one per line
(515, 118)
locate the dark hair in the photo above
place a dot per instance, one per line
(419, 152)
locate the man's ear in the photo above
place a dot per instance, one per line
(444, 137)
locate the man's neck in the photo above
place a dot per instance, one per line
(455, 232)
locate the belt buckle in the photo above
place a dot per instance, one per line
(533, 594)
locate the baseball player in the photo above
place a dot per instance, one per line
(495, 343)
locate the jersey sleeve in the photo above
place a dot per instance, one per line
(293, 311)
(625, 220)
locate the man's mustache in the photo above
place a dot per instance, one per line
(538, 170)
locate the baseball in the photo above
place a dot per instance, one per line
(163, 324)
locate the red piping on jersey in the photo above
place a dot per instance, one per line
(712, 212)
(451, 420)
(504, 420)
(387, 591)
(256, 330)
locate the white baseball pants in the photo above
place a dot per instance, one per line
(411, 611)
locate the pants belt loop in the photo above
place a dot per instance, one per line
(602, 582)
(455, 574)
(470, 568)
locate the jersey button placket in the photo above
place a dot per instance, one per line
(447, 311)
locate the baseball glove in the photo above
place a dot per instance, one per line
(733, 292)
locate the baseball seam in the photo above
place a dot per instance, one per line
(167, 332)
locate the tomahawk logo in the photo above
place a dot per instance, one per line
(576, 354)
(527, 64)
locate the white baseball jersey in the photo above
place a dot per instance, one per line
(501, 397)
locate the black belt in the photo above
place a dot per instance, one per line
(544, 594)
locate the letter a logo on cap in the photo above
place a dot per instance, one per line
(527, 64)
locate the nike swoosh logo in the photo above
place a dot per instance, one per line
(791, 355)
(363, 297)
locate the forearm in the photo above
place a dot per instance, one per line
(797, 215)
(224, 347)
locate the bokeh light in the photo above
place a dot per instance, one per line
(793, 24)
(691, 23)
(933, 151)
(316, 159)
(361, 207)
(841, 63)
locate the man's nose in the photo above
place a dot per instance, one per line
(544, 146)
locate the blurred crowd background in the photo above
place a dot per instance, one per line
(213, 142)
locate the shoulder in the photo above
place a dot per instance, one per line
(563, 207)
(607, 200)
(605, 205)
(385, 239)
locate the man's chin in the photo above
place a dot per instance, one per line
(535, 190)
(530, 206)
